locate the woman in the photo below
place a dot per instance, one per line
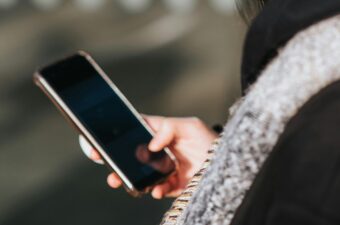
(278, 159)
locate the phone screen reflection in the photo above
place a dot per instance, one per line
(108, 119)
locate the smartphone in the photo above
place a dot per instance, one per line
(99, 111)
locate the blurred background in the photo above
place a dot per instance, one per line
(169, 57)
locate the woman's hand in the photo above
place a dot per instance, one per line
(189, 139)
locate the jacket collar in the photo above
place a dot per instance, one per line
(279, 21)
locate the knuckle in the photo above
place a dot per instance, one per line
(167, 123)
(196, 121)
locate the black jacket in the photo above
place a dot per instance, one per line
(278, 22)
(299, 183)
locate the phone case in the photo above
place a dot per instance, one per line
(72, 119)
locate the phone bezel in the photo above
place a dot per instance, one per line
(69, 115)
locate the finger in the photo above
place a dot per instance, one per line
(95, 156)
(156, 193)
(174, 194)
(143, 154)
(161, 190)
(89, 151)
(114, 181)
(174, 190)
(153, 121)
(164, 136)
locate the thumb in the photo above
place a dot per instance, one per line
(154, 122)
(163, 137)
(87, 149)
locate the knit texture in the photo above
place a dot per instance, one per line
(309, 62)
(182, 201)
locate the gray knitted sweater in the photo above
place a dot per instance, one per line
(307, 63)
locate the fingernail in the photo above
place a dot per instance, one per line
(87, 149)
(112, 181)
(156, 195)
(153, 146)
(98, 161)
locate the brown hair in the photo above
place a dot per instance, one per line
(248, 9)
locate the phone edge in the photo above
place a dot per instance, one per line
(124, 99)
(67, 114)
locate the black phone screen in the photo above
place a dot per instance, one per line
(108, 119)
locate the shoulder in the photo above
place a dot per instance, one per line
(320, 39)
(311, 55)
